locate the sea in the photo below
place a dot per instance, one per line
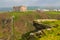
(4, 9)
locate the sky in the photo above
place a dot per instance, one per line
(46, 3)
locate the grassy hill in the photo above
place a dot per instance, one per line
(23, 22)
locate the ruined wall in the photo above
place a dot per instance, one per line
(20, 8)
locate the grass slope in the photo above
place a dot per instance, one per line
(54, 33)
(23, 21)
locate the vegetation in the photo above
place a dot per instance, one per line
(23, 23)
(53, 15)
(54, 33)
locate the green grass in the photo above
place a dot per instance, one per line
(54, 33)
(27, 16)
(26, 19)
(52, 12)
(25, 23)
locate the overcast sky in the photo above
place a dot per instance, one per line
(48, 3)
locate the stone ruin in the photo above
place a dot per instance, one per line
(19, 8)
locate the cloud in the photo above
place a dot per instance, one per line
(10, 3)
